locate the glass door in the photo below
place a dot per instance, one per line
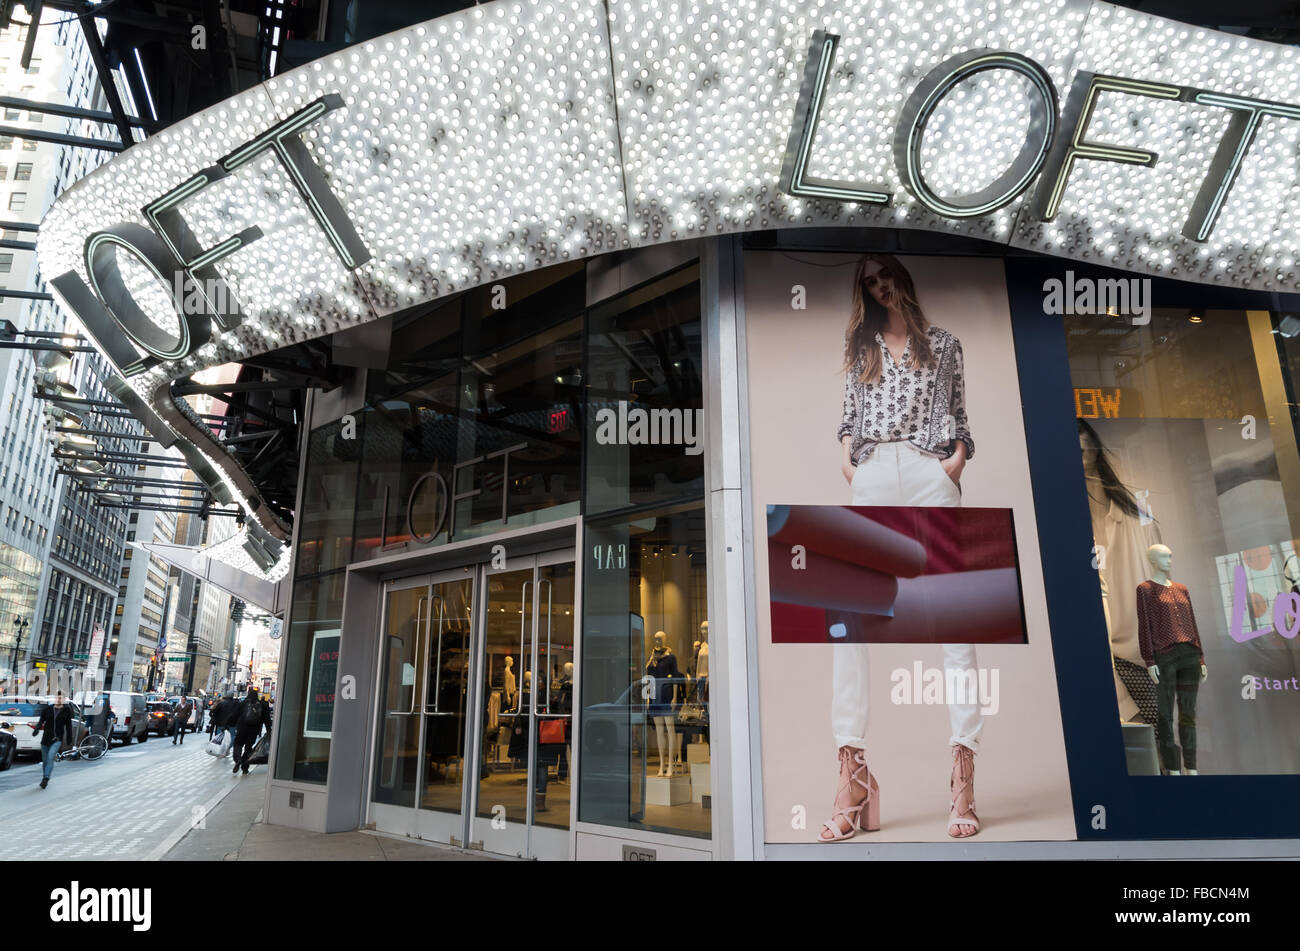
(445, 707)
(523, 787)
(401, 689)
(476, 669)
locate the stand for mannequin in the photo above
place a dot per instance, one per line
(667, 790)
(697, 756)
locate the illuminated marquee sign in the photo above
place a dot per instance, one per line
(514, 136)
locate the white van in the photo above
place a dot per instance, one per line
(130, 709)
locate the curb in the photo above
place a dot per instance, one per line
(187, 825)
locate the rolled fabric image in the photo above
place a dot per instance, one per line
(964, 607)
(828, 583)
(840, 533)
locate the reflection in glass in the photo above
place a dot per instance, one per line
(645, 727)
(447, 680)
(405, 622)
(503, 767)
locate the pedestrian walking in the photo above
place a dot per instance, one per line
(182, 721)
(224, 715)
(254, 714)
(55, 729)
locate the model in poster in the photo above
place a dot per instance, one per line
(905, 440)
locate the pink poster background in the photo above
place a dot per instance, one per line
(796, 391)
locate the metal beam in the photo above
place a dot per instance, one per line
(17, 245)
(21, 225)
(58, 138)
(20, 345)
(96, 48)
(26, 295)
(73, 112)
(222, 389)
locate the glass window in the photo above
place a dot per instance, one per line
(29, 145)
(329, 491)
(645, 415)
(4, 174)
(1188, 435)
(18, 201)
(6, 141)
(476, 429)
(645, 669)
(307, 698)
(11, 114)
(23, 172)
(6, 263)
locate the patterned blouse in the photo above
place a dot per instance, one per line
(925, 406)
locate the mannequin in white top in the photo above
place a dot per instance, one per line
(702, 658)
(510, 683)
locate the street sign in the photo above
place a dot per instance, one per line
(96, 646)
(180, 658)
(81, 656)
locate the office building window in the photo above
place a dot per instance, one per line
(35, 66)
(6, 262)
(29, 145)
(23, 172)
(6, 141)
(18, 201)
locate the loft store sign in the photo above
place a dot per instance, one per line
(167, 251)
(1056, 142)
(1056, 139)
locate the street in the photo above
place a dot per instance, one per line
(133, 803)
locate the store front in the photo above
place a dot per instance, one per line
(673, 463)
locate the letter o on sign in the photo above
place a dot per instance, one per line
(104, 250)
(925, 99)
(441, 508)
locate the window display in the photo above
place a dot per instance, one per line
(645, 724)
(1192, 479)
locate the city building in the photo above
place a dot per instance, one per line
(58, 549)
(146, 595)
(715, 435)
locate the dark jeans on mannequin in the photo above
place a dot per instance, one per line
(1180, 678)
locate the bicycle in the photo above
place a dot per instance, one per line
(92, 747)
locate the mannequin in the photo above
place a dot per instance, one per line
(662, 666)
(1123, 531)
(510, 683)
(1171, 647)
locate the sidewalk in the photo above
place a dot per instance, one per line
(233, 831)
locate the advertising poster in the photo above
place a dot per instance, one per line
(905, 660)
(318, 718)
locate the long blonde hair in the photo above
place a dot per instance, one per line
(869, 318)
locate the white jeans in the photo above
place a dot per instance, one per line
(897, 473)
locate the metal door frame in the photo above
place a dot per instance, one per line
(480, 572)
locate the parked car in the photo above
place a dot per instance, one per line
(131, 710)
(25, 713)
(8, 744)
(161, 715)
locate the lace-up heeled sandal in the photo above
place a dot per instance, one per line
(855, 780)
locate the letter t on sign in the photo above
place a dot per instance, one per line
(283, 139)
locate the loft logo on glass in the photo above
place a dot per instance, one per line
(1045, 149)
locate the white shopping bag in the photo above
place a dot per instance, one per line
(219, 746)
